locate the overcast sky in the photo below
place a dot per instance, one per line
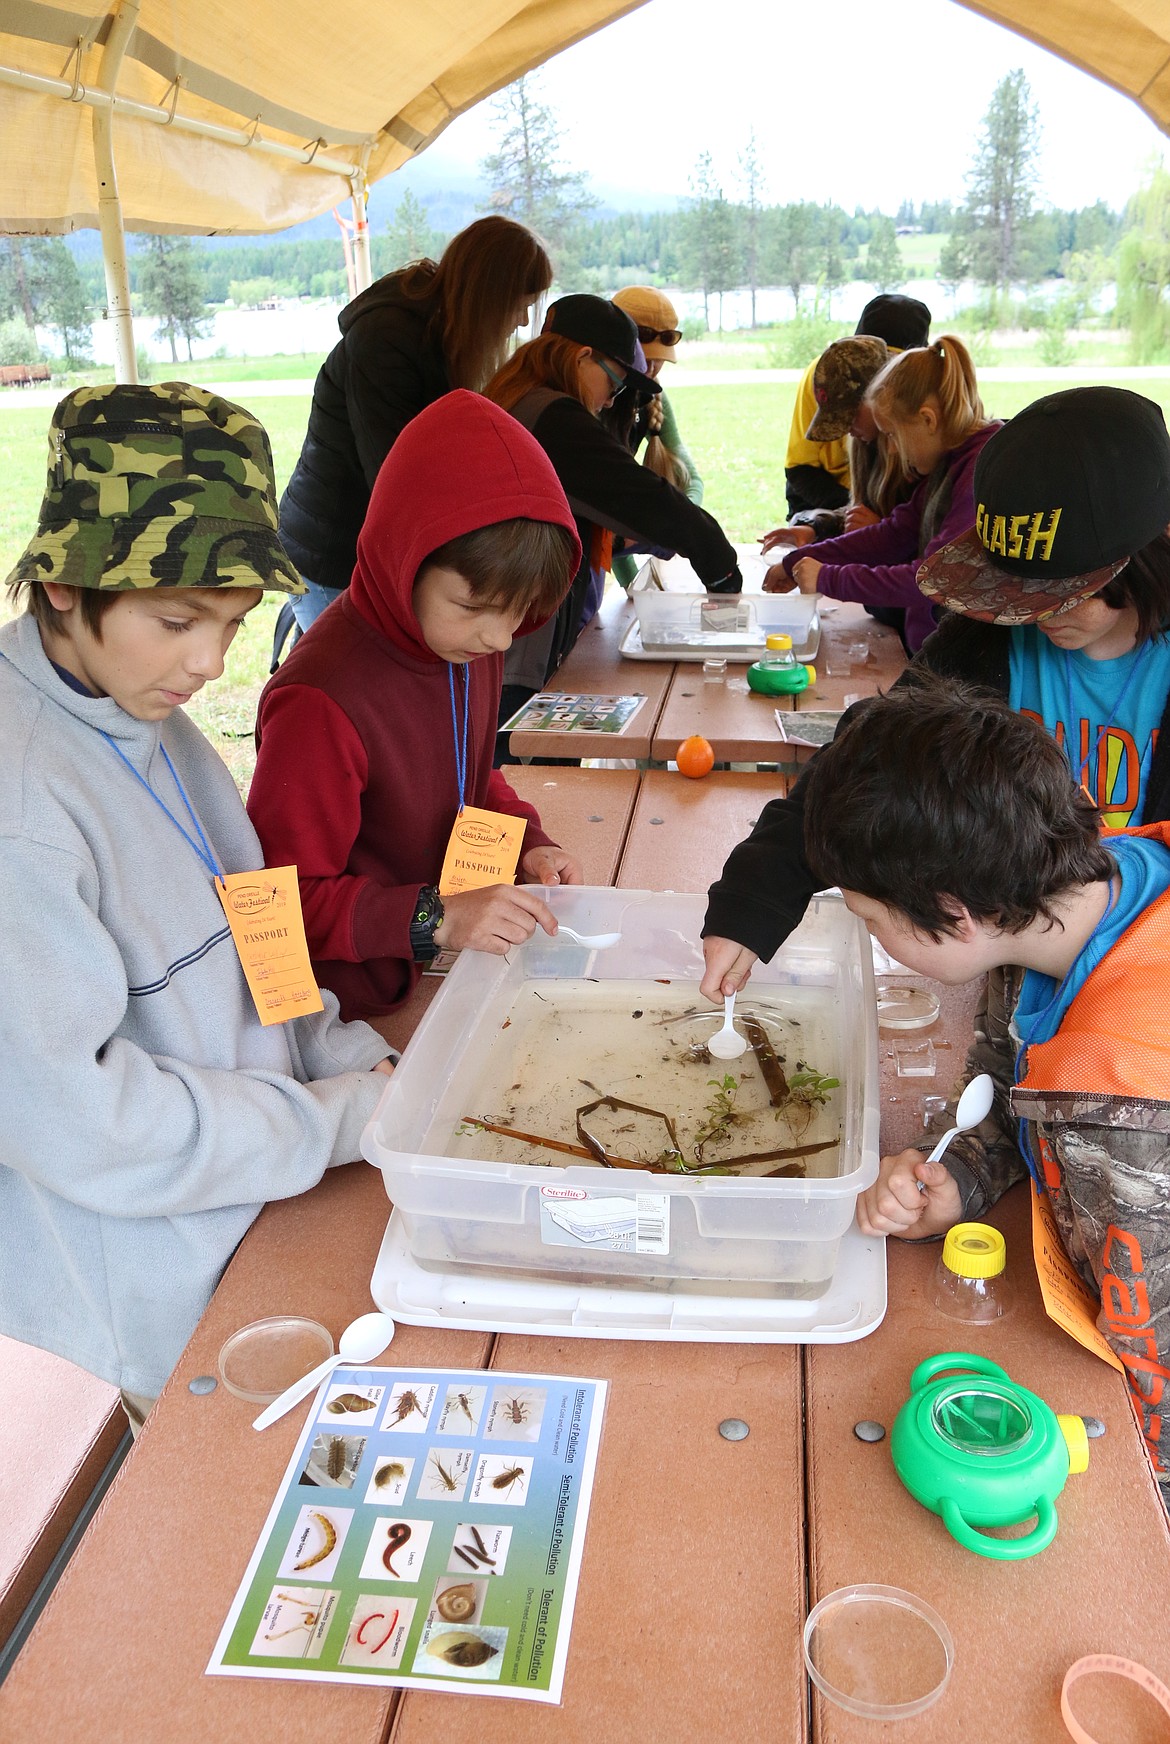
(851, 101)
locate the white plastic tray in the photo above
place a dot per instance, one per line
(853, 1305)
(630, 647)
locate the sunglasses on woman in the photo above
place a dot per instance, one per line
(660, 336)
(617, 382)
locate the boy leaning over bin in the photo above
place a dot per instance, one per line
(147, 1111)
(957, 835)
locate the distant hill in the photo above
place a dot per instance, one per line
(450, 190)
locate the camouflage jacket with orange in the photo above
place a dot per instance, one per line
(1096, 1099)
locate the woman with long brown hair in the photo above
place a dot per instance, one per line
(413, 336)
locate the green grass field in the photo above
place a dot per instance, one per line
(737, 435)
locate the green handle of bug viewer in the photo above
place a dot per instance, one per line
(779, 680)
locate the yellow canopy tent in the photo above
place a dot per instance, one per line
(250, 115)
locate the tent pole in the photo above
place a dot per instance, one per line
(363, 269)
(109, 204)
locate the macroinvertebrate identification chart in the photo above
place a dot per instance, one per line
(427, 1534)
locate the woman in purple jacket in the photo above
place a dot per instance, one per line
(927, 402)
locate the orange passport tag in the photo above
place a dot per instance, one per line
(264, 912)
(484, 849)
(1066, 1300)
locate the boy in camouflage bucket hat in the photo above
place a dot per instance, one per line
(147, 1112)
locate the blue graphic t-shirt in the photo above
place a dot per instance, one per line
(1082, 701)
(1144, 865)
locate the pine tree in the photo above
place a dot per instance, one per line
(709, 252)
(883, 259)
(171, 286)
(523, 175)
(994, 230)
(63, 305)
(751, 179)
(409, 232)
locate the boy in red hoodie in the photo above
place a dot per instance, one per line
(379, 727)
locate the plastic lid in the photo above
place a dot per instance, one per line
(812, 674)
(878, 1651)
(974, 1250)
(260, 1360)
(1077, 1441)
(778, 643)
(906, 1007)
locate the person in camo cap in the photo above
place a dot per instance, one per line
(148, 1114)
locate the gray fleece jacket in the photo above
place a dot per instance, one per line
(145, 1112)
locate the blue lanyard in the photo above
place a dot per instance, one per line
(1025, 1042)
(1113, 713)
(460, 751)
(202, 847)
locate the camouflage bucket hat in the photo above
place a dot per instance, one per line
(844, 370)
(166, 486)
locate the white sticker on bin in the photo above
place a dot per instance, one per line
(614, 1222)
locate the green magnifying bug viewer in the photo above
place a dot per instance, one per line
(981, 1451)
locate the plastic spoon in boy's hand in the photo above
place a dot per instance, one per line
(363, 1340)
(974, 1106)
(727, 1043)
(595, 941)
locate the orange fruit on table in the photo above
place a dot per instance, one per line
(695, 757)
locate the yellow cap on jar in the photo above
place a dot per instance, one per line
(974, 1250)
(777, 643)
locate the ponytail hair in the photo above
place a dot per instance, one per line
(942, 371)
(658, 458)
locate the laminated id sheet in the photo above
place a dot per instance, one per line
(427, 1534)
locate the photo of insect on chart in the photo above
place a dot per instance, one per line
(438, 1547)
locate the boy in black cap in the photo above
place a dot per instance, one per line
(1063, 586)
(816, 472)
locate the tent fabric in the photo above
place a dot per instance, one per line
(374, 90)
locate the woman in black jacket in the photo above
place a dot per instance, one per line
(556, 386)
(1100, 459)
(413, 336)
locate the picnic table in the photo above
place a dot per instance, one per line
(701, 1555)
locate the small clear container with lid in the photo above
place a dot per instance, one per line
(969, 1282)
(778, 651)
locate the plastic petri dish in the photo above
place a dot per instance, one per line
(260, 1360)
(906, 1007)
(878, 1651)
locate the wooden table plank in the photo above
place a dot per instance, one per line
(739, 725)
(843, 622)
(120, 1651)
(1017, 1627)
(682, 830)
(587, 811)
(687, 1626)
(595, 667)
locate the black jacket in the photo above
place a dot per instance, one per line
(607, 488)
(384, 370)
(766, 884)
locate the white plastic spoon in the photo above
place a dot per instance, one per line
(974, 1106)
(363, 1340)
(595, 941)
(727, 1043)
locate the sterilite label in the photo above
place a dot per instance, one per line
(636, 1223)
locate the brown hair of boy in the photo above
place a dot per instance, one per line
(943, 372)
(1144, 584)
(92, 602)
(940, 795)
(483, 277)
(524, 565)
(548, 361)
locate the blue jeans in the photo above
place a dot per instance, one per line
(307, 607)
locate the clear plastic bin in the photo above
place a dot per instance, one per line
(722, 621)
(772, 1236)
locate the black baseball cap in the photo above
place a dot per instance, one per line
(1065, 494)
(597, 322)
(903, 322)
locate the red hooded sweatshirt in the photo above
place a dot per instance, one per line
(355, 779)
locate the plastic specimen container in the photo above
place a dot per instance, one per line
(776, 1235)
(722, 621)
(878, 1652)
(260, 1360)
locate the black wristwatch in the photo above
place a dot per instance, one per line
(428, 912)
